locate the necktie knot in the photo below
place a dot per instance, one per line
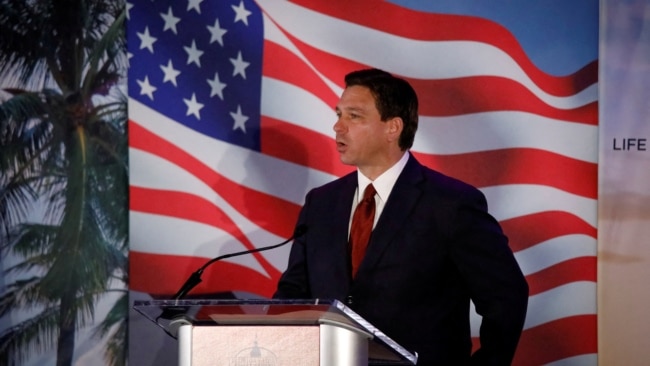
(369, 193)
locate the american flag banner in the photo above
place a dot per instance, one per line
(231, 109)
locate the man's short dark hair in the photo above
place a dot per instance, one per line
(394, 97)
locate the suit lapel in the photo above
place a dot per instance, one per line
(337, 242)
(403, 198)
(343, 212)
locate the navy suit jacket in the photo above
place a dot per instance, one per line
(434, 248)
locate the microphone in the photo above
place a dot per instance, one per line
(195, 278)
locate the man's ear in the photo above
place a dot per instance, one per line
(395, 127)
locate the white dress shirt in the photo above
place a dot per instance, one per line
(383, 185)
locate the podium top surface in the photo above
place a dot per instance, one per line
(170, 314)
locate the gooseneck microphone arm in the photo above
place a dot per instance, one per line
(195, 278)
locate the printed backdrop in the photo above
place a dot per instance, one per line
(624, 197)
(230, 124)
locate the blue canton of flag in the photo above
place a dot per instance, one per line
(199, 65)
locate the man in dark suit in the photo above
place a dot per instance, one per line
(433, 245)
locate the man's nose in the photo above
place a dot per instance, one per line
(338, 125)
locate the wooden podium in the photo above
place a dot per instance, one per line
(272, 333)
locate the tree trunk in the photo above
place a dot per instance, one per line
(65, 346)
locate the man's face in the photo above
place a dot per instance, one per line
(361, 136)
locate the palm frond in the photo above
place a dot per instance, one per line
(32, 239)
(24, 133)
(22, 46)
(18, 110)
(36, 335)
(21, 294)
(15, 203)
(105, 59)
(115, 322)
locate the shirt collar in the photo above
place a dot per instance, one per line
(384, 183)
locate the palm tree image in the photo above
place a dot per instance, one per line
(63, 153)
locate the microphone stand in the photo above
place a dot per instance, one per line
(195, 278)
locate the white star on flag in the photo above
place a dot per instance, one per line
(146, 88)
(241, 13)
(170, 73)
(240, 65)
(170, 21)
(193, 107)
(216, 86)
(217, 32)
(146, 40)
(193, 54)
(128, 12)
(194, 4)
(240, 119)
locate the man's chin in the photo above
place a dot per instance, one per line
(346, 161)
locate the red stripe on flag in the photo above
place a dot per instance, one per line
(288, 142)
(458, 96)
(183, 206)
(572, 270)
(526, 231)
(556, 340)
(447, 27)
(514, 167)
(301, 146)
(193, 208)
(444, 97)
(162, 275)
(294, 71)
(258, 207)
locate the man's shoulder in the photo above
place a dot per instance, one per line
(439, 180)
(335, 186)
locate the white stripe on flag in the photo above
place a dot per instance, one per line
(407, 57)
(515, 200)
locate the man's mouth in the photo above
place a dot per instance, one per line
(340, 145)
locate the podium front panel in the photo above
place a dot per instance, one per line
(174, 316)
(255, 345)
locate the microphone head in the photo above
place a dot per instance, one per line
(300, 231)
